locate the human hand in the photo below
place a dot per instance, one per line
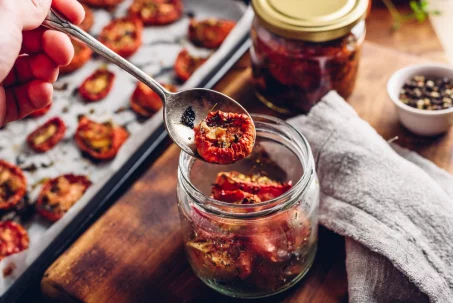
(30, 54)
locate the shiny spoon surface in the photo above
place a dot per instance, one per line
(201, 100)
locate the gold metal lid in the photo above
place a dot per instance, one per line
(310, 20)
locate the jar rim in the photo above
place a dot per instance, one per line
(280, 201)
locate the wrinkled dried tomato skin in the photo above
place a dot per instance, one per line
(209, 33)
(187, 64)
(145, 102)
(12, 185)
(47, 135)
(40, 112)
(100, 141)
(64, 198)
(13, 239)
(157, 12)
(123, 36)
(293, 75)
(234, 196)
(82, 54)
(97, 86)
(225, 138)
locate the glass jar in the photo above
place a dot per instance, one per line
(252, 250)
(297, 60)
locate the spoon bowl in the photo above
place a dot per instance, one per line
(201, 100)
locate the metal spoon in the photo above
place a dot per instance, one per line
(201, 100)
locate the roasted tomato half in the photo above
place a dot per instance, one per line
(102, 3)
(234, 196)
(225, 137)
(261, 186)
(145, 102)
(97, 85)
(12, 185)
(47, 135)
(13, 238)
(209, 33)
(58, 195)
(186, 64)
(40, 112)
(157, 12)
(123, 36)
(101, 141)
(87, 23)
(82, 54)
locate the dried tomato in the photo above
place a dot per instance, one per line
(47, 135)
(186, 64)
(58, 195)
(97, 85)
(145, 102)
(13, 238)
(225, 137)
(261, 186)
(101, 141)
(87, 23)
(157, 12)
(123, 36)
(234, 196)
(209, 33)
(102, 3)
(12, 185)
(82, 54)
(40, 112)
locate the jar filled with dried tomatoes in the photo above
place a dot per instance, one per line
(303, 49)
(250, 228)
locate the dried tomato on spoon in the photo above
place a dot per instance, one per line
(157, 12)
(101, 141)
(209, 33)
(47, 135)
(145, 102)
(58, 195)
(225, 138)
(12, 185)
(123, 36)
(186, 64)
(98, 85)
(13, 238)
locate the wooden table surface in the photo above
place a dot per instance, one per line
(134, 252)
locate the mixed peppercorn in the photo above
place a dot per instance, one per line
(429, 93)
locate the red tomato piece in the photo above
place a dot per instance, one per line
(209, 33)
(98, 85)
(58, 195)
(47, 135)
(87, 23)
(82, 54)
(101, 141)
(145, 102)
(225, 137)
(261, 186)
(123, 36)
(234, 196)
(157, 12)
(186, 64)
(102, 3)
(12, 185)
(13, 238)
(40, 112)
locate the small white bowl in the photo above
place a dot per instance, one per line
(419, 121)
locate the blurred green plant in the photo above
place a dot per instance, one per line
(420, 12)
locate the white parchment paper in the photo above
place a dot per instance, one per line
(156, 57)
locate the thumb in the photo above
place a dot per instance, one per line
(31, 13)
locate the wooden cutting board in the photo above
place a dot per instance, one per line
(134, 252)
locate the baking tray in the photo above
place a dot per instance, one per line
(26, 285)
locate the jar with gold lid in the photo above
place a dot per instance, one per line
(303, 49)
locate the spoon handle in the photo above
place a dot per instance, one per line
(57, 22)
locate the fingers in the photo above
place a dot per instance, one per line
(27, 68)
(58, 46)
(71, 9)
(19, 101)
(32, 12)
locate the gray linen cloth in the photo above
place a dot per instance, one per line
(394, 207)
